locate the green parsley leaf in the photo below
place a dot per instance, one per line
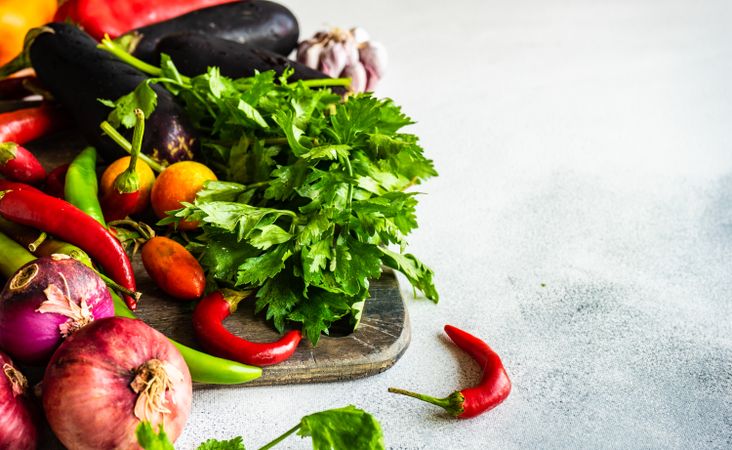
(417, 273)
(341, 428)
(143, 97)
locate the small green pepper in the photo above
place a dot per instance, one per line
(204, 368)
(81, 188)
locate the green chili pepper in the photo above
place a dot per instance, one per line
(14, 256)
(81, 188)
(53, 246)
(204, 368)
(26, 236)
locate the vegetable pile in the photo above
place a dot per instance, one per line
(235, 173)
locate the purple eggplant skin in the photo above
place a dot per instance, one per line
(78, 74)
(259, 23)
(24, 293)
(193, 53)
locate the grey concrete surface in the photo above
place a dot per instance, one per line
(581, 224)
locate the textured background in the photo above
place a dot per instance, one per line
(581, 224)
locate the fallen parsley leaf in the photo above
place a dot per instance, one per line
(347, 427)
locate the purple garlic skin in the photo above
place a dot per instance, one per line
(346, 54)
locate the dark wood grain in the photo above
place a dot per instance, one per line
(381, 338)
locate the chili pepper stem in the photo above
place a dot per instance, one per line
(453, 403)
(281, 438)
(33, 246)
(233, 297)
(113, 285)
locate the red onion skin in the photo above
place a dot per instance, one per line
(86, 388)
(17, 418)
(31, 337)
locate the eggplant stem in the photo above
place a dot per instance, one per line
(118, 51)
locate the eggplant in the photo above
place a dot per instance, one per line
(260, 23)
(78, 74)
(192, 54)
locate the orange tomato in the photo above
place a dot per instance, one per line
(179, 183)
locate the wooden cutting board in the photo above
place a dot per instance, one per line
(381, 338)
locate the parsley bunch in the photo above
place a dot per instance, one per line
(313, 191)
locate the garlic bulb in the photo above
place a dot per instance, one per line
(345, 53)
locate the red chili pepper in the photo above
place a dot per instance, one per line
(217, 340)
(100, 17)
(27, 205)
(24, 125)
(18, 164)
(493, 388)
(56, 181)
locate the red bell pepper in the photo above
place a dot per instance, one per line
(100, 17)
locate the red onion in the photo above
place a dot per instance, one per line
(47, 300)
(17, 427)
(109, 376)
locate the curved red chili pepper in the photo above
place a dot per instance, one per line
(27, 205)
(217, 340)
(492, 390)
(25, 125)
(18, 164)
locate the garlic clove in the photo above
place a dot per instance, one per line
(352, 54)
(373, 56)
(357, 74)
(333, 59)
(308, 53)
(373, 79)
